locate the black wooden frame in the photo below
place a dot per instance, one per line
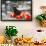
(16, 20)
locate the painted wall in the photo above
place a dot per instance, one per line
(27, 28)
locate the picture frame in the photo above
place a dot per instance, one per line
(19, 10)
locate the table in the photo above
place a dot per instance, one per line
(25, 44)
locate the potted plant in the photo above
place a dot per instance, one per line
(10, 32)
(42, 17)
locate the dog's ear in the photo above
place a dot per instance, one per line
(16, 11)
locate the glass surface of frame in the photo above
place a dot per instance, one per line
(16, 10)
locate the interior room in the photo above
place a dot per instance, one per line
(26, 30)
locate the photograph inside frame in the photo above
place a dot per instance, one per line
(16, 10)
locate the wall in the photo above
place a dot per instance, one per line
(24, 27)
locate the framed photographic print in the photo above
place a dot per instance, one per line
(16, 10)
